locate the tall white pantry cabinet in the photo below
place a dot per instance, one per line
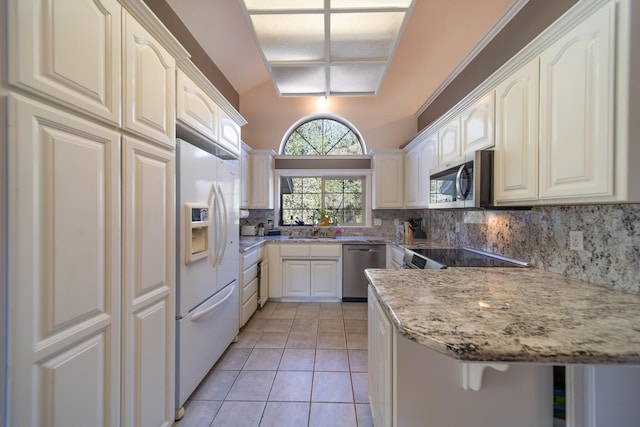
(91, 227)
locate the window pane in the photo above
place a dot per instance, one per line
(321, 137)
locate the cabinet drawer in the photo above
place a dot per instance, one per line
(249, 289)
(332, 251)
(252, 256)
(249, 307)
(250, 273)
(294, 250)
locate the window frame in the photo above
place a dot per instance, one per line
(367, 179)
(322, 193)
(318, 171)
(321, 116)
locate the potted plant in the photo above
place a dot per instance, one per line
(327, 217)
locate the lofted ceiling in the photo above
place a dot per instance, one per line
(437, 38)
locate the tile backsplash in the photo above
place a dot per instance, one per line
(540, 236)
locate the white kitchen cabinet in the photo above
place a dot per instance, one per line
(388, 179)
(149, 84)
(380, 363)
(263, 292)
(68, 51)
(274, 270)
(324, 276)
(516, 151)
(245, 177)
(410, 383)
(296, 278)
(305, 271)
(148, 338)
(229, 134)
(249, 282)
(449, 142)
(477, 125)
(576, 110)
(195, 109)
(64, 268)
(262, 179)
(304, 278)
(419, 160)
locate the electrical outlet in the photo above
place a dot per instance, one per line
(457, 227)
(396, 222)
(377, 222)
(576, 241)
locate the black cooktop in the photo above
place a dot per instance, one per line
(465, 258)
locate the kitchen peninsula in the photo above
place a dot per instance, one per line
(444, 327)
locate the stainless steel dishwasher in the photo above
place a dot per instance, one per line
(355, 258)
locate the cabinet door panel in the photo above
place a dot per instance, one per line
(380, 362)
(449, 142)
(68, 50)
(195, 108)
(295, 275)
(477, 125)
(149, 94)
(324, 278)
(229, 134)
(149, 291)
(388, 180)
(65, 263)
(516, 152)
(576, 119)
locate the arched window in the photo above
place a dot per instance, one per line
(322, 136)
(307, 198)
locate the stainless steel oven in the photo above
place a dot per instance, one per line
(465, 183)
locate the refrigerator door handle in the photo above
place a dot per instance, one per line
(225, 224)
(197, 315)
(213, 248)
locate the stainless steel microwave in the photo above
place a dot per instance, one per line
(465, 183)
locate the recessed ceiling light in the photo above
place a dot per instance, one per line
(327, 47)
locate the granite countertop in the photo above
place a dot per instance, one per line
(250, 242)
(511, 315)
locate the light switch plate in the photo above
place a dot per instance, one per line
(377, 221)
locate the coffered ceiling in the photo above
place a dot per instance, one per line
(438, 36)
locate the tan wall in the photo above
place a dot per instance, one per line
(390, 119)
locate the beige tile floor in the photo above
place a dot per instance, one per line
(294, 365)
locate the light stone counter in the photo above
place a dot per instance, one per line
(511, 315)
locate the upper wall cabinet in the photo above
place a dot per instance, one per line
(262, 180)
(68, 51)
(388, 179)
(229, 134)
(200, 112)
(419, 160)
(149, 89)
(477, 125)
(576, 110)
(516, 152)
(195, 108)
(449, 142)
(585, 150)
(245, 177)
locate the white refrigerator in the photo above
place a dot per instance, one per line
(207, 264)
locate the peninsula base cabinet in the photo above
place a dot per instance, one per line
(411, 385)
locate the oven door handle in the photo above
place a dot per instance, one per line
(462, 194)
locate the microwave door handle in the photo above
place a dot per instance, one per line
(459, 192)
